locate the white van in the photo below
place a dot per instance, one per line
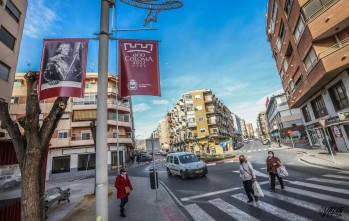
(185, 164)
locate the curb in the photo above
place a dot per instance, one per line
(321, 165)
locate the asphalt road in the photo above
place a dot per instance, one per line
(220, 196)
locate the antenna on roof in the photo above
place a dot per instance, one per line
(28, 64)
(92, 66)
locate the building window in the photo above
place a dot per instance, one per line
(14, 100)
(190, 107)
(310, 60)
(319, 107)
(191, 120)
(197, 97)
(85, 135)
(339, 96)
(198, 107)
(306, 114)
(289, 53)
(275, 10)
(281, 73)
(62, 134)
(4, 71)
(288, 6)
(298, 83)
(17, 83)
(88, 85)
(60, 164)
(115, 133)
(87, 161)
(88, 99)
(299, 29)
(188, 97)
(201, 119)
(203, 130)
(12, 10)
(7, 38)
(285, 64)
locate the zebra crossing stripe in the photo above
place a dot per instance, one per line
(320, 187)
(232, 211)
(320, 196)
(197, 213)
(301, 203)
(336, 176)
(345, 172)
(276, 211)
(329, 181)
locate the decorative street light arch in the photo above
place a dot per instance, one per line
(154, 7)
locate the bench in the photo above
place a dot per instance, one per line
(55, 194)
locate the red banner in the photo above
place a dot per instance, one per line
(138, 68)
(63, 68)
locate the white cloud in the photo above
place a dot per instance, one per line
(160, 102)
(141, 107)
(36, 24)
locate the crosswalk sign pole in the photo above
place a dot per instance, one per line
(329, 145)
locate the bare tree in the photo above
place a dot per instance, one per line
(32, 146)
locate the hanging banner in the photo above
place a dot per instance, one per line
(63, 68)
(138, 68)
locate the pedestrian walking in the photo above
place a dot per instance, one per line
(269, 143)
(272, 164)
(138, 158)
(124, 187)
(279, 142)
(248, 177)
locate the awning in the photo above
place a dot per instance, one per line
(84, 115)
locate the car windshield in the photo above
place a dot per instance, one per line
(188, 158)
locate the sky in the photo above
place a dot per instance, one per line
(217, 45)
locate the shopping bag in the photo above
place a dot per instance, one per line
(257, 190)
(127, 190)
(282, 171)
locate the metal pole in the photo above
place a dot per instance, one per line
(154, 170)
(329, 145)
(101, 130)
(291, 140)
(117, 134)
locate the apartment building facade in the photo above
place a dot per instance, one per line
(72, 148)
(12, 17)
(281, 118)
(310, 44)
(250, 131)
(237, 128)
(244, 133)
(164, 134)
(199, 121)
(262, 124)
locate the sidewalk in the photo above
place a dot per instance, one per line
(320, 157)
(141, 205)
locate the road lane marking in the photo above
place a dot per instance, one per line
(336, 176)
(320, 187)
(217, 192)
(328, 181)
(320, 196)
(301, 203)
(197, 213)
(263, 168)
(276, 211)
(232, 210)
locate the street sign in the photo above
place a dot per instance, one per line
(322, 122)
(289, 131)
(222, 144)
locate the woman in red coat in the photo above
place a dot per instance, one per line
(123, 187)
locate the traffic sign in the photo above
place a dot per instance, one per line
(222, 144)
(289, 131)
(322, 122)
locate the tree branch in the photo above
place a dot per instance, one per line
(12, 128)
(51, 121)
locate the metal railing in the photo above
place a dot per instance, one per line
(320, 11)
(334, 48)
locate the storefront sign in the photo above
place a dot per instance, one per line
(312, 126)
(332, 120)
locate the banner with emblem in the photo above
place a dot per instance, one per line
(138, 68)
(63, 68)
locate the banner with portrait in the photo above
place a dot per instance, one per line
(138, 68)
(63, 68)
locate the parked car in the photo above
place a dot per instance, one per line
(264, 141)
(185, 164)
(7, 181)
(246, 141)
(238, 145)
(146, 157)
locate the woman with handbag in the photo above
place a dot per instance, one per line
(272, 164)
(247, 175)
(123, 187)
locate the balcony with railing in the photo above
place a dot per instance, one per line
(325, 18)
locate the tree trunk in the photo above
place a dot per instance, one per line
(33, 187)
